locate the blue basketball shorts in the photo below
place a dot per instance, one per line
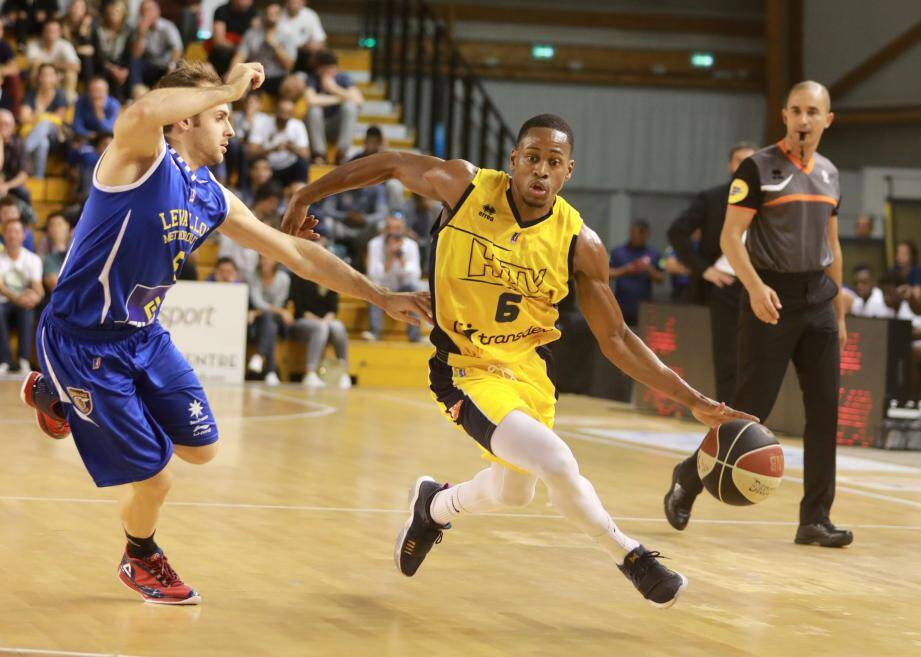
(128, 400)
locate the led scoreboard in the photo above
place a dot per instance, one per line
(875, 368)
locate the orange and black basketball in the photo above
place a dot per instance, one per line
(740, 462)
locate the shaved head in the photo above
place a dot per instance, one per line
(813, 87)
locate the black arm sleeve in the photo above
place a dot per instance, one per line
(679, 234)
(745, 188)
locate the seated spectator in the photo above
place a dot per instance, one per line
(282, 140)
(635, 267)
(53, 249)
(265, 206)
(260, 173)
(11, 211)
(77, 28)
(420, 214)
(264, 43)
(157, 46)
(225, 271)
(334, 102)
(393, 261)
(53, 49)
(231, 21)
(864, 298)
(863, 227)
(316, 324)
(234, 167)
(268, 294)
(354, 217)
(303, 25)
(42, 118)
(13, 175)
(96, 110)
(83, 158)
(906, 263)
(113, 47)
(27, 16)
(11, 88)
(20, 293)
(375, 143)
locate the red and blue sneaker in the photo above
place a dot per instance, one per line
(155, 580)
(38, 393)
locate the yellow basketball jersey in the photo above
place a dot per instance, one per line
(496, 280)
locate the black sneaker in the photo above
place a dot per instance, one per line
(823, 534)
(659, 585)
(420, 532)
(678, 503)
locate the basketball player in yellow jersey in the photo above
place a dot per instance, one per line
(504, 251)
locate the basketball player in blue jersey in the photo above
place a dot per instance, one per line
(111, 375)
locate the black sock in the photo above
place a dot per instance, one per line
(141, 548)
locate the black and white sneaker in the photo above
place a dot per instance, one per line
(659, 585)
(420, 532)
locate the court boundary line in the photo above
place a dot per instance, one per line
(59, 653)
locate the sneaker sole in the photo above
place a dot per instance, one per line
(39, 416)
(666, 605)
(818, 543)
(413, 497)
(194, 600)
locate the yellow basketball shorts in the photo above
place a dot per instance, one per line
(478, 396)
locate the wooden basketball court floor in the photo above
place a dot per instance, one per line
(288, 536)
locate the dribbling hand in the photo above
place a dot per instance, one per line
(240, 77)
(713, 413)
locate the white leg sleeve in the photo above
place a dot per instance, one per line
(492, 488)
(525, 442)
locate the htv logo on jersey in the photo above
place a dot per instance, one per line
(484, 264)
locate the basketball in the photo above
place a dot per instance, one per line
(740, 462)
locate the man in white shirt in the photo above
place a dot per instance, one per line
(867, 300)
(283, 141)
(52, 48)
(20, 293)
(393, 261)
(302, 25)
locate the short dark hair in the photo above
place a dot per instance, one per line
(268, 190)
(640, 223)
(8, 200)
(55, 213)
(325, 58)
(861, 267)
(742, 146)
(890, 278)
(374, 132)
(224, 260)
(551, 121)
(190, 74)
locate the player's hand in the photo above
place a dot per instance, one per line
(409, 307)
(240, 77)
(717, 277)
(298, 223)
(713, 413)
(765, 304)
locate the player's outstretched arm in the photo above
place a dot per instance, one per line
(621, 346)
(138, 131)
(314, 263)
(428, 176)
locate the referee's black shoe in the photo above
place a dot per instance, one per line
(659, 585)
(678, 502)
(420, 532)
(823, 534)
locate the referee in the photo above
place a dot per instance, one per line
(714, 282)
(787, 197)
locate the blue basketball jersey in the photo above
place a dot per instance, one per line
(131, 242)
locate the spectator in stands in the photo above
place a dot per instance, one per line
(863, 227)
(635, 267)
(11, 211)
(96, 110)
(268, 295)
(303, 25)
(231, 21)
(260, 173)
(20, 293)
(265, 205)
(157, 46)
(11, 88)
(53, 248)
(82, 158)
(27, 16)
(113, 47)
(53, 49)
(42, 118)
(13, 175)
(393, 261)
(77, 28)
(906, 262)
(864, 298)
(420, 214)
(354, 217)
(334, 102)
(375, 143)
(267, 202)
(679, 274)
(315, 323)
(266, 44)
(283, 141)
(225, 271)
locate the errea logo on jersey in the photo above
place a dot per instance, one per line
(487, 212)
